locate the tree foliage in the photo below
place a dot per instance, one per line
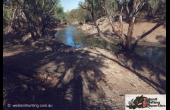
(32, 15)
(59, 14)
(128, 8)
(156, 6)
(79, 14)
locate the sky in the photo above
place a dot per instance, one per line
(69, 4)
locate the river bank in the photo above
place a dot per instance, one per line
(157, 37)
(47, 71)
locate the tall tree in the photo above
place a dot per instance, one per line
(32, 14)
(115, 8)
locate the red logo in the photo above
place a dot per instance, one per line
(144, 103)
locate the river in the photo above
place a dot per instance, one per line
(154, 53)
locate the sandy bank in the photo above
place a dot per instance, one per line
(157, 36)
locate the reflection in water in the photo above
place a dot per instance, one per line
(73, 37)
(68, 36)
(69, 39)
(149, 52)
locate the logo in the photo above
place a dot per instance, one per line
(150, 102)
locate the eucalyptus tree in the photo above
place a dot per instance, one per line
(73, 14)
(83, 15)
(113, 8)
(154, 6)
(9, 12)
(59, 14)
(34, 15)
(38, 14)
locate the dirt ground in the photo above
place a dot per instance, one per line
(157, 36)
(48, 72)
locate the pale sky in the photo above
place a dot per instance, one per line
(69, 4)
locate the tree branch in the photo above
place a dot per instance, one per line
(90, 1)
(138, 9)
(53, 6)
(148, 32)
(44, 3)
(84, 7)
(5, 5)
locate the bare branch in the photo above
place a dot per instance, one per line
(138, 9)
(5, 5)
(102, 35)
(148, 32)
(121, 9)
(44, 4)
(90, 1)
(127, 8)
(53, 7)
(137, 5)
(106, 39)
(134, 4)
(104, 5)
(84, 7)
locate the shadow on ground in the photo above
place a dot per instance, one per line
(144, 70)
(62, 76)
(161, 39)
(51, 77)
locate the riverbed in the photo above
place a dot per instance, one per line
(72, 36)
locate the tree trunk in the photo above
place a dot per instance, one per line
(13, 15)
(127, 12)
(39, 31)
(92, 10)
(102, 36)
(129, 33)
(92, 14)
(41, 27)
(18, 20)
(145, 34)
(119, 33)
